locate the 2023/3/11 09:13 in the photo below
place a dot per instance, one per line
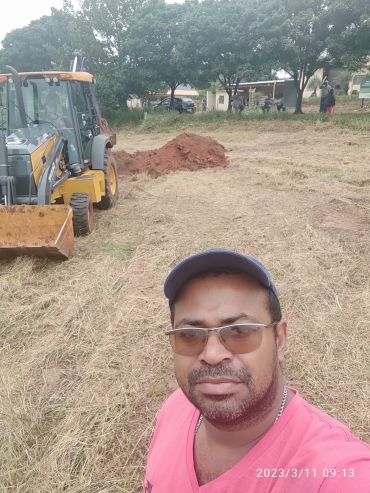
(305, 473)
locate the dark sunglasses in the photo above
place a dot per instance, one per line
(237, 338)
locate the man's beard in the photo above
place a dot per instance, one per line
(232, 411)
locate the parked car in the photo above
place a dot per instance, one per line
(181, 104)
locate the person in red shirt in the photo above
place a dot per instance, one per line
(234, 426)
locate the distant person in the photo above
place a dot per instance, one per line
(53, 111)
(325, 88)
(280, 105)
(235, 425)
(237, 102)
(330, 102)
(267, 104)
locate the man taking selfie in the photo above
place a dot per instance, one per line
(234, 425)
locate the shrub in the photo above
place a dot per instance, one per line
(128, 116)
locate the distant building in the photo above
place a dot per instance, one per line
(219, 100)
(181, 91)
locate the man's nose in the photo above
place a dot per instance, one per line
(214, 351)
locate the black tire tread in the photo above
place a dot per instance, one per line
(81, 203)
(108, 200)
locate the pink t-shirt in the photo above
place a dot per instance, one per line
(306, 451)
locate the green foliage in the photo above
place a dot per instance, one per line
(314, 84)
(218, 40)
(349, 41)
(27, 48)
(343, 79)
(258, 98)
(153, 43)
(109, 20)
(169, 121)
(135, 47)
(128, 116)
(164, 121)
(297, 32)
(215, 86)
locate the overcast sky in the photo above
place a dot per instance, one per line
(19, 13)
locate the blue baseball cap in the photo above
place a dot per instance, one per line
(214, 259)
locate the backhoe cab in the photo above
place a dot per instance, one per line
(55, 160)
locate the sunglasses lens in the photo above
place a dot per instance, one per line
(188, 342)
(241, 339)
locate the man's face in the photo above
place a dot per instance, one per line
(229, 389)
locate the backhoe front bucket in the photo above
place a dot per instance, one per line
(36, 230)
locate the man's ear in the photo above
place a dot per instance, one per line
(281, 339)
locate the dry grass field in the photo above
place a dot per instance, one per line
(84, 364)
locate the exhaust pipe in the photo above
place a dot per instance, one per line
(18, 91)
(7, 183)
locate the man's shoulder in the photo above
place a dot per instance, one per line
(326, 436)
(177, 403)
(323, 420)
(175, 416)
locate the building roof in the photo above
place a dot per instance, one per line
(263, 83)
(184, 92)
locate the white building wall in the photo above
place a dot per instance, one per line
(218, 101)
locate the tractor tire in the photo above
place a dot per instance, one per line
(82, 207)
(110, 182)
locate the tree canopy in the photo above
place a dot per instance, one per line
(154, 45)
(297, 32)
(29, 47)
(218, 39)
(137, 46)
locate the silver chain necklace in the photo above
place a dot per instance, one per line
(285, 395)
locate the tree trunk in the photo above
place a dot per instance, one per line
(229, 92)
(172, 103)
(298, 104)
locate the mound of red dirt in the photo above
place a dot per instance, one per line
(189, 152)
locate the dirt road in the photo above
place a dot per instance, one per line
(84, 362)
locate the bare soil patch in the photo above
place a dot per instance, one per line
(189, 152)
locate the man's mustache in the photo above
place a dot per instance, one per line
(219, 371)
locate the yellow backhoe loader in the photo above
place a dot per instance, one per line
(55, 160)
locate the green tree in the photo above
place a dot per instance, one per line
(153, 43)
(343, 79)
(47, 43)
(297, 33)
(349, 43)
(27, 48)
(109, 21)
(218, 40)
(314, 83)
